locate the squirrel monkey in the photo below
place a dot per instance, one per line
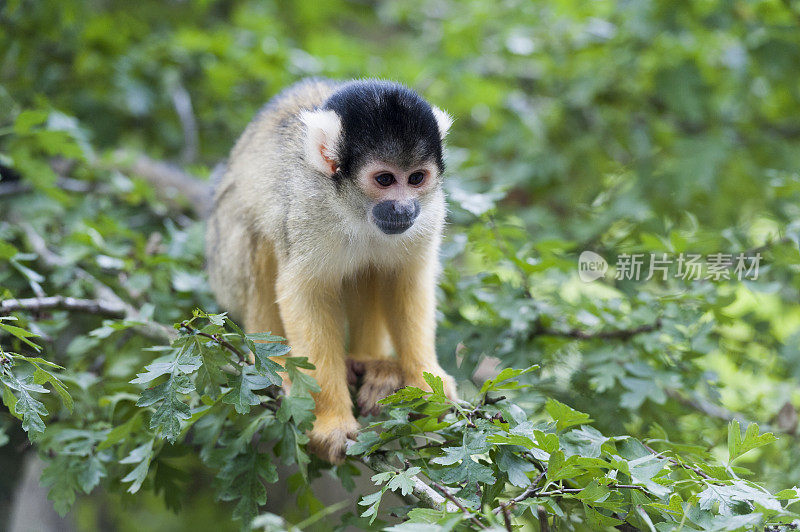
(326, 228)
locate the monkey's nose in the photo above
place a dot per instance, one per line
(393, 217)
(406, 210)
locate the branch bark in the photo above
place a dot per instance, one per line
(37, 304)
(169, 180)
(615, 334)
(425, 494)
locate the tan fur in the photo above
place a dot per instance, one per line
(287, 254)
(379, 378)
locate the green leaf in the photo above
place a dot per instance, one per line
(25, 406)
(436, 384)
(171, 409)
(565, 416)
(122, 431)
(593, 492)
(265, 337)
(599, 521)
(20, 333)
(265, 365)
(559, 468)
(301, 409)
(92, 471)
(737, 446)
(516, 467)
(210, 376)
(29, 119)
(41, 376)
(501, 381)
(241, 394)
(242, 478)
(7, 250)
(142, 456)
(463, 466)
(402, 480)
(404, 395)
(187, 362)
(61, 476)
(303, 384)
(372, 502)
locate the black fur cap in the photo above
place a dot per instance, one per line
(387, 120)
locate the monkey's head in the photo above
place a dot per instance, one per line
(381, 145)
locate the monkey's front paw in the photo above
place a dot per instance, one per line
(328, 438)
(380, 378)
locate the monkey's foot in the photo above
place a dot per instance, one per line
(379, 378)
(328, 438)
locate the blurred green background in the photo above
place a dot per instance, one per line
(617, 126)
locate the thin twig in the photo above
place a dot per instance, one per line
(615, 334)
(675, 462)
(566, 491)
(530, 491)
(541, 513)
(182, 101)
(38, 304)
(274, 392)
(441, 489)
(507, 519)
(217, 338)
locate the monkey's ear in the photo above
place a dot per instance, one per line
(323, 129)
(443, 120)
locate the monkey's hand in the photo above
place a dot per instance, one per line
(379, 378)
(328, 438)
(417, 379)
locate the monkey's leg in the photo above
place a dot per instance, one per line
(369, 344)
(312, 315)
(262, 313)
(410, 307)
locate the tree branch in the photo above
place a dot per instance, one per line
(37, 304)
(720, 412)
(615, 334)
(441, 489)
(14, 188)
(150, 329)
(426, 495)
(182, 101)
(169, 180)
(529, 492)
(675, 462)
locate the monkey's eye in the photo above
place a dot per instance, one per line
(385, 179)
(416, 178)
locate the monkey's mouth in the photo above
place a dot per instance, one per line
(395, 217)
(393, 227)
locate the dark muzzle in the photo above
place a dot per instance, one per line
(394, 217)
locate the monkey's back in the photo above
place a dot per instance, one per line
(249, 216)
